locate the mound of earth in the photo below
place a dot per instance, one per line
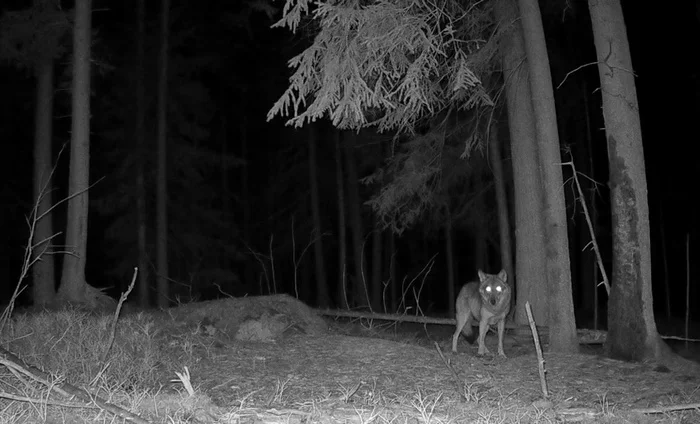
(254, 318)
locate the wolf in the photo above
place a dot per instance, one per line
(487, 301)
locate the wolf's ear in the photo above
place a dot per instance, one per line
(481, 274)
(503, 275)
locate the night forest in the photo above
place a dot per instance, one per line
(255, 207)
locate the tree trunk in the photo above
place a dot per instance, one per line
(73, 283)
(480, 238)
(250, 266)
(632, 333)
(529, 280)
(43, 271)
(359, 289)
(342, 242)
(393, 283)
(377, 270)
(450, 259)
(562, 324)
(141, 148)
(501, 201)
(162, 177)
(321, 297)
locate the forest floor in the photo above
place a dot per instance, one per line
(273, 360)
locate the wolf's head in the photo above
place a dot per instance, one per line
(493, 289)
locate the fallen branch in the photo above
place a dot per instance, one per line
(12, 362)
(457, 380)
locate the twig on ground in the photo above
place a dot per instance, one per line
(9, 359)
(457, 380)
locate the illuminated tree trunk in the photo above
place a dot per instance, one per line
(632, 333)
(43, 277)
(562, 325)
(529, 278)
(73, 283)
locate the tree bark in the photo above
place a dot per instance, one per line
(162, 177)
(321, 297)
(377, 269)
(359, 289)
(501, 201)
(43, 270)
(141, 148)
(450, 265)
(529, 280)
(73, 285)
(342, 238)
(632, 333)
(562, 324)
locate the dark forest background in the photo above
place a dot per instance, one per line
(240, 184)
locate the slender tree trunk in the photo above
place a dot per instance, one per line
(450, 259)
(162, 178)
(73, 283)
(250, 267)
(479, 231)
(393, 283)
(502, 202)
(632, 333)
(664, 255)
(141, 148)
(562, 324)
(377, 270)
(342, 242)
(43, 271)
(529, 279)
(321, 280)
(359, 286)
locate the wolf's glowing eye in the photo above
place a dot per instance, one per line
(499, 289)
(488, 289)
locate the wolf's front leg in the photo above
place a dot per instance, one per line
(501, 330)
(483, 329)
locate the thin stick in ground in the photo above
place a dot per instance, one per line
(540, 358)
(122, 299)
(457, 380)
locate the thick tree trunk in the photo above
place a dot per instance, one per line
(530, 280)
(162, 176)
(501, 201)
(43, 271)
(321, 297)
(632, 333)
(141, 215)
(73, 283)
(562, 325)
(342, 238)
